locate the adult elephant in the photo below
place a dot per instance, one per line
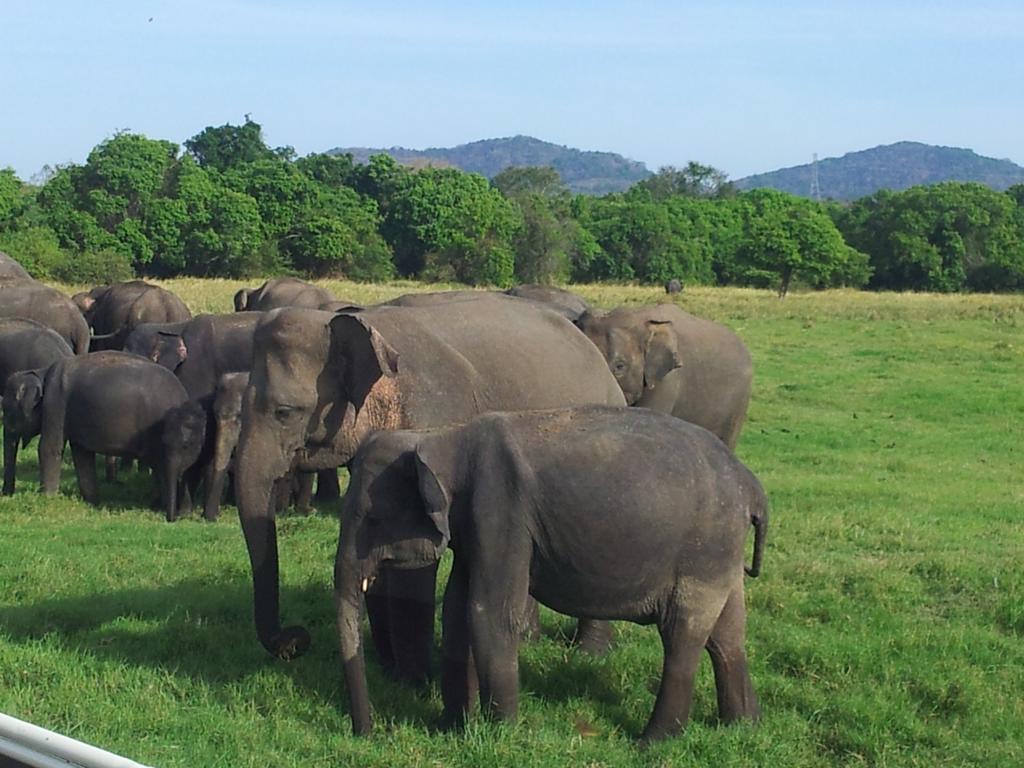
(10, 268)
(30, 299)
(24, 344)
(199, 352)
(566, 303)
(320, 383)
(672, 362)
(113, 311)
(281, 292)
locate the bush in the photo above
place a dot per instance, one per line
(36, 249)
(94, 268)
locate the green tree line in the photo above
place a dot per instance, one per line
(226, 204)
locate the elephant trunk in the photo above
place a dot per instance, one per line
(223, 446)
(348, 605)
(171, 474)
(257, 463)
(10, 460)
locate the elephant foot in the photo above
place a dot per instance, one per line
(289, 643)
(593, 637)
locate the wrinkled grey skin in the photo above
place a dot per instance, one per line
(672, 362)
(9, 268)
(227, 418)
(281, 292)
(35, 301)
(601, 512)
(24, 345)
(566, 303)
(322, 382)
(112, 403)
(113, 311)
(199, 351)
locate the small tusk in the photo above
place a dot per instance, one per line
(366, 584)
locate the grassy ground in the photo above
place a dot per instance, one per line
(886, 628)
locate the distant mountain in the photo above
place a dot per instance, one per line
(594, 173)
(894, 166)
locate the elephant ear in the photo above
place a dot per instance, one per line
(436, 500)
(29, 393)
(364, 355)
(242, 299)
(661, 353)
(169, 350)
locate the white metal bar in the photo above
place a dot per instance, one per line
(41, 748)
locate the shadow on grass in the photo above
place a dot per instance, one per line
(201, 631)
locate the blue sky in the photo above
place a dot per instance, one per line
(744, 86)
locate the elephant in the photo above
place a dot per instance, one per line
(199, 352)
(566, 303)
(674, 286)
(33, 300)
(281, 292)
(610, 513)
(672, 362)
(9, 268)
(24, 344)
(227, 417)
(112, 311)
(107, 402)
(321, 383)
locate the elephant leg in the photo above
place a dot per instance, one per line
(411, 621)
(111, 467)
(593, 637)
(459, 686)
(532, 629)
(379, 616)
(328, 489)
(736, 697)
(85, 469)
(10, 462)
(494, 639)
(304, 491)
(684, 631)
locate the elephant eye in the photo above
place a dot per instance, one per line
(284, 412)
(619, 365)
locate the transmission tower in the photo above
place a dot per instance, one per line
(815, 188)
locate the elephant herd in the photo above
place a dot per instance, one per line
(494, 425)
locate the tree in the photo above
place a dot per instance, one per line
(695, 180)
(12, 199)
(449, 224)
(516, 181)
(943, 237)
(229, 146)
(787, 238)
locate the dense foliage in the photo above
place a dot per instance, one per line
(229, 205)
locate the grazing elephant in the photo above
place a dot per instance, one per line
(116, 404)
(24, 344)
(602, 512)
(281, 292)
(33, 300)
(322, 382)
(566, 303)
(112, 311)
(10, 268)
(674, 286)
(669, 361)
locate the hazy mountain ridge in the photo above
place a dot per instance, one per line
(892, 166)
(595, 173)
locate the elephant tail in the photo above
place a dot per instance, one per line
(759, 519)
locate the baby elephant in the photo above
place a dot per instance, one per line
(597, 512)
(111, 403)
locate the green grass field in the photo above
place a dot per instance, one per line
(887, 628)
